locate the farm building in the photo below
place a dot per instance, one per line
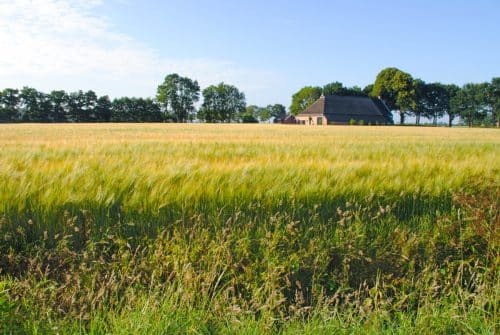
(336, 109)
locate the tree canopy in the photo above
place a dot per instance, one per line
(221, 103)
(397, 89)
(431, 100)
(277, 111)
(337, 88)
(304, 98)
(473, 103)
(177, 96)
(251, 114)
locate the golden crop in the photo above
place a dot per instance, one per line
(149, 165)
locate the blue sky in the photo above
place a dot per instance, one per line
(269, 49)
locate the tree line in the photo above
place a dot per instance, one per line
(475, 103)
(177, 98)
(30, 105)
(175, 101)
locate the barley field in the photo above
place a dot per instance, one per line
(223, 229)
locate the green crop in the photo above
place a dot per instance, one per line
(162, 228)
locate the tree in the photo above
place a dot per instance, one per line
(252, 114)
(255, 113)
(103, 109)
(451, 91)
(355, 91)
(76, 101)
(82, 106)
(265, 113)
(420, 99)
(221, 103)
(89, 107)
(9, 105)
(59, 106)
(277, 110)
(397, 90)
(495, 97)
(431, 100)
(337, 88)
(368, 90)
(471, 103)
(122, 110)
(485, 102)
(127, 109)
(146, 110)
(304, 98)
(35, 106)
(178, 95)
(334, 88)
(438, 101)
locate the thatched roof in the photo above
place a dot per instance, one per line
(342, 109)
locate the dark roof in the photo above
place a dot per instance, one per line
(342, 109)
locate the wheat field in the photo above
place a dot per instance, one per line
(196, 228)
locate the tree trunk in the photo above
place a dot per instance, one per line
(402, 117)
(450, 120)
(417, 119)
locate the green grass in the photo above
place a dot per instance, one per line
(248, 229)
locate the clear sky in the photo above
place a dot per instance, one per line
(269, 49)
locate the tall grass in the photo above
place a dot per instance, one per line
(248, 229)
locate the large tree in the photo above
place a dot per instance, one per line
(9, 105)
(221, 103)
(35, 105)
(397, 90)
(103, 109)
(178, 96)
(59, 106)
(431, 100)
(304, 98)
(471, 103)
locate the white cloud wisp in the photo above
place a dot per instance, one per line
(63, 44)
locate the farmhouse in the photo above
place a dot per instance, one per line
(336, 109)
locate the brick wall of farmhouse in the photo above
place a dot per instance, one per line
(311, 119)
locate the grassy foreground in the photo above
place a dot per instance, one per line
(251, 229)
